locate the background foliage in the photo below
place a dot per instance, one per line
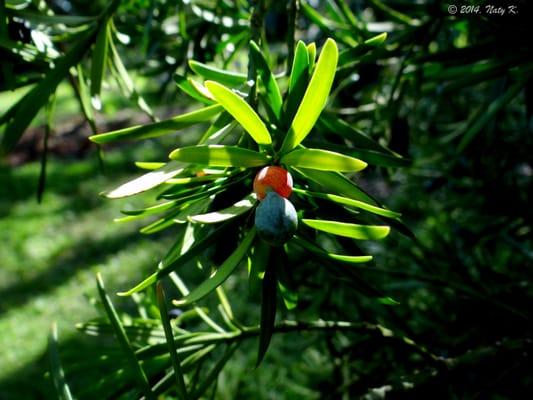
(446, 100)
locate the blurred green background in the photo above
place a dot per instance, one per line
(463, 285)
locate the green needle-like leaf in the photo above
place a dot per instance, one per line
(27, 108)
(216, 74)
(58, 376)
(123, 339)
(185, 85)
(228, 213)
(354, 231)
(173, 261)
(221, 274)
(337, 183)
(159, 128)
(219, 156)
(147, 181)
(322, 160)
(315, 97)
(98, 63)
(331, 256)
(300, 65)
(350, 202)
(169, 335)
(241, 111)
(269, 81)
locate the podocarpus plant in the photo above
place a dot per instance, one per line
(208, 190)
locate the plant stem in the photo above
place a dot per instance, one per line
(292, 14)
(256, 29)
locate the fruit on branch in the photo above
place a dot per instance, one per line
(275, 179)
(275, 219)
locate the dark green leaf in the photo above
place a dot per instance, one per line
(269, 81)
(56, 370)
(123, 340)
(268, 306)
(169, 334)
(221, 274)
(159, 128)
(37, 97)
(98, 63)
(174, 260)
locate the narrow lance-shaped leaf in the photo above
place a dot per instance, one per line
(50, 109)
(353, 54)
(298, 80)
(219, 156)
(268, 306)
(221, 274)
(241, 111)
(147, 181)
(216, 74)
(123, 339)
(337, 183)
(331, 256)
(186, 86)
(173, 260)
(315, 97)
(98, 63)
(323, 160)
(354, 231)
(350, 202)
(269, 81)
(300, 65)
(215, 371)
(235, 210)
(58, 376)
(311, 52)
(125, 81)
(85, 98)
(169, 335)
(30, 104)
(493, 108)
(159, 128)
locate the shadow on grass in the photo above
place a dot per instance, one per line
(64, 177)
(85, 254)
(85, 360)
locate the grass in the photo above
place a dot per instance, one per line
(50, 254)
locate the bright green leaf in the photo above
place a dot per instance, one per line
(315, 97)
(228, 213)
(147, 181)
(322, 160)
(337, 183)
(219, 156)
(216, 74)
(354, 231)
(331, 256)
(241, 111)
(349, 202)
